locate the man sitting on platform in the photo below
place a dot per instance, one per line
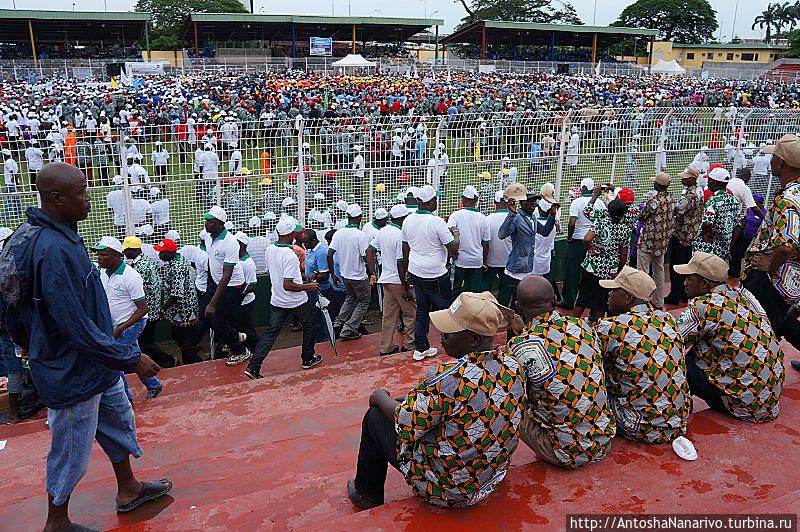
(733, 360)
(453, 435)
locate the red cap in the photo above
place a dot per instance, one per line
(166, 245)
(626, 195)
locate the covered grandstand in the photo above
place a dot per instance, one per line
(486, 33)
(295, 30)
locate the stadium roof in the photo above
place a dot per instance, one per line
(75, 26)
(537, 34)
(253, 27)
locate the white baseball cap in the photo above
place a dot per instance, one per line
(173, 235)
(269, 215)
(286, 225)
(498, 196)
(117, 180)
(254, 221)
(243, 238)
(354, 210)
(425, 194)
(154, 191)
(108, 242)
(381, 213)
(470, 192)
(341, 205)
(587, 182)
(319, 196)
(288, 202)
(216, 213)
(720, 174)
(399, 211)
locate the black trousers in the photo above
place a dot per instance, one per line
(738, 247)
(147, 343)
(377, 450)
(775, 306)
(679, 254)
(184, 337)
(276, 320)
(223, 323)
(700, 386)
(244, 324)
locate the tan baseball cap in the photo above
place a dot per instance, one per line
(516, 191)
(633, 281)
(548, 192)
(662, 178)
(690, 171)
(705, 265)
(479, 313)
(788, 149)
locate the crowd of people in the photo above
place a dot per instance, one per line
(483, 276)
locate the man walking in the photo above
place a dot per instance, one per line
(656, 216)
(473, 230)
(350, 243)
(180, 299)
(686, 226)
(75, 361)
(577, 228)
(719, 220)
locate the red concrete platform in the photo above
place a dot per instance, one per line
(275, 454)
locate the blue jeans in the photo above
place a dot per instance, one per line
(106, 417)
(130, 336)
(431, 294)
(11, 363)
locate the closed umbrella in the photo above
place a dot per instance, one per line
(322, 303)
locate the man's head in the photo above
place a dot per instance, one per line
(535, 296)
(215, 220)
(398, 213)
(785, 162)
(309, 239)
(500, 202)
(469, 198)
(427, 198)
(689, 176)
(718, 179)
(629, 288)
(703, 273)
(469, 324)
(744, 174)
(132, 247)
(109, 253)
(587, 185)
(286, 230)
(354, 214)
(244, 241)
(661, 182)
(381, 217)
(64, 192)
(167, 249)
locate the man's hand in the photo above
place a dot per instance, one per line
(146, 368)
(518, 325)
(313, 287)
(763, 262)
(336, 280)
(117, 332)
(512, 205)
(554, 209)
(373, 280)
(408, 293)
(377, 395)
(485, 267)
(210, 311)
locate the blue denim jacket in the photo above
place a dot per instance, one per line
(522, 229)
(68, 330)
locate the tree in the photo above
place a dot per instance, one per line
(168, 17)
(794, 44)
(684, 21)
(767, 19)
(548, 11)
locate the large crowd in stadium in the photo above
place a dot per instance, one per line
(153, 205)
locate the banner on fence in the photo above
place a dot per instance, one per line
(143, 68)
(321, 46)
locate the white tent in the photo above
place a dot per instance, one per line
(668, 67)
(353, 60)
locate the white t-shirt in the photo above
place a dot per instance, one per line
(350, 243)
(34, 156)
(124, 287)
(761, 164)
(160, 211)
(426, 235)
(582, 224)
(210, 164)
(140, 208)
(543, 247)
(741, 192)
(115, 201)
(283, 265)
(473, 230)
(198, 260)
(224, 251)
(10, 171)
(249, 270)
(160, 157)
(499, 250)
(389, 243)
(256, 248)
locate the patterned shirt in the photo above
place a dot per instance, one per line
(658, 221)
(722, 212)
(781, 227)
(731, 339)
(152, 285)
(566, 387)
(609, 241)
(688, 211)
(646, 374)
(178, 284)
(458, 428)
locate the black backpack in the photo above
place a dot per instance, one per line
(16, 265)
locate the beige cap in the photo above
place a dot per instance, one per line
(633, 281)
(516, 191)
(548, 192)
(788, 149)
(479, 313)
(662, 178)
(705, 265)
(690, 171)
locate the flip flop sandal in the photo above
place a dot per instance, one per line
(150, 492)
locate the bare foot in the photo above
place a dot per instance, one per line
(129, 493)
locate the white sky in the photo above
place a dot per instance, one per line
(451, 11)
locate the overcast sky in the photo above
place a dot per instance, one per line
(450, 11)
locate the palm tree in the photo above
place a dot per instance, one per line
(767, 19)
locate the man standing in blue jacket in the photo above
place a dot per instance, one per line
(520, 226)
(75, 361)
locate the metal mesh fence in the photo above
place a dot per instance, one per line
(170, 174)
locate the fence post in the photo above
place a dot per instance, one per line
(561, 153)
(126, 189)
(371, 208)
(301, 179)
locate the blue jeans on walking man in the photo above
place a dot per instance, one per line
(130, 336)
(431, 294)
